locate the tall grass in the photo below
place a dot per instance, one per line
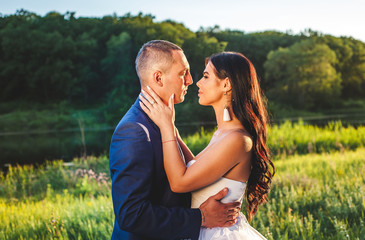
(313, 196)
(316, 197)
(57, 200)
(86, 177)
(61, 216)
(298, 138)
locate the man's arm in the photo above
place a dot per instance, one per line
(131, 165)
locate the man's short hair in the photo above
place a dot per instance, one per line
(155, 54)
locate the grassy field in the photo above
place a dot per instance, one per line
(298, 138)
(316, 197)
(57, 201)
(317, 193)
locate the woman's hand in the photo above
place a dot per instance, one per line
(163, 116)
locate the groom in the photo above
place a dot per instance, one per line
(144, 205)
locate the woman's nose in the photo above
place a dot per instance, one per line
(198, 83)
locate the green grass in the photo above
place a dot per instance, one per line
(57, 201)
(317, 192)
(315, 196)
(86, 177)
(298, 138)
(61, 216)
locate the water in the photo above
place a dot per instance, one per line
(354, 119)
(37, 147)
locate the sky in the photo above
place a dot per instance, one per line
(334, 17)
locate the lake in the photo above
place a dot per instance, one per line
(37, 147)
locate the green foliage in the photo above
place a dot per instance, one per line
(117, 65)
(255, 46)
(303, 75)
(83, 177)
(351, 64)
(64, 216)
(279, 111)
(62, 117)
(198, 141)
(199, 48)
(57, 200)
(41, 59)
(297, 138)
(312, 197)
(118, 68)
(316, 197)
(82, 60)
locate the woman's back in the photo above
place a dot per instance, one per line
(236, 190)
(241, 171)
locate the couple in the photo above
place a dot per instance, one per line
(153, 171)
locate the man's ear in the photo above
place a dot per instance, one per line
(227, 84)
(157, 78)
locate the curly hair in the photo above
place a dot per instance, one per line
(248, 105)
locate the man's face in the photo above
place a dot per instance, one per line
(178, 78)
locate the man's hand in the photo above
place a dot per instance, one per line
(217, 214)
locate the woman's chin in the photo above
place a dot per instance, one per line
(201, 102)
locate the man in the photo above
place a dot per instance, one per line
(144, 205)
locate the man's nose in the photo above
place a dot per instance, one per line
(188, 79)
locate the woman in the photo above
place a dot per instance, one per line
(237, 156)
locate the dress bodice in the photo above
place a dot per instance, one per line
(241, 229)
(235, 193)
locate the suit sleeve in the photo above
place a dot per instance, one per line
(131, 166)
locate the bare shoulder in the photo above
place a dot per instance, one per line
(240, 139)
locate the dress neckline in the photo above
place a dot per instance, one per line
(234, 180)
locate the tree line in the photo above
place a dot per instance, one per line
(58, 57)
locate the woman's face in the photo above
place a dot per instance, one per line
(210, 87)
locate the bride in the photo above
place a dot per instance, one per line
(237, 156)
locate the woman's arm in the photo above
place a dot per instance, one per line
(185, 149)
(212, 163)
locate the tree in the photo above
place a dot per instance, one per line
(200, 47)
(197, 49)
(351, 64)
(255, 46)
(120, 76)
(303, 75)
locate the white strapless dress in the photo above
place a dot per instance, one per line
(242, 230)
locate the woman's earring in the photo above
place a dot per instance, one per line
(226, 116)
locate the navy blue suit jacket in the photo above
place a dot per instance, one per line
(144, 205)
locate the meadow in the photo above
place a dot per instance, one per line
(298, 138)
(317, 192)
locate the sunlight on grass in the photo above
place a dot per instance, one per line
(313, 196)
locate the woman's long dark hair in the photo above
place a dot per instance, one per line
(249, 107)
